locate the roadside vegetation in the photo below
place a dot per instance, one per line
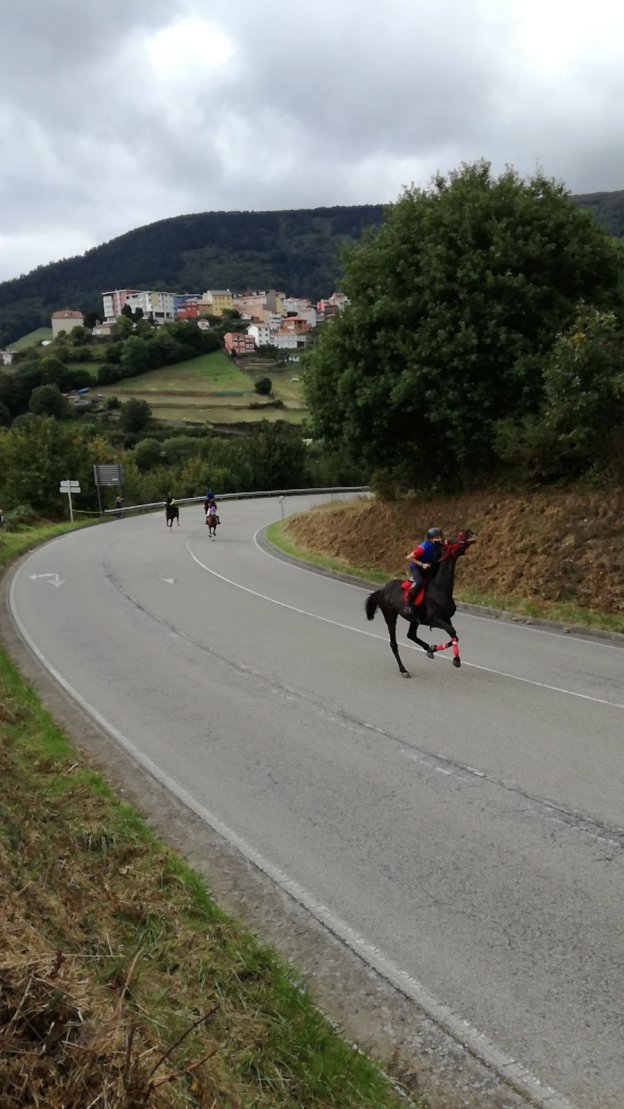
(556, 554)
(122, 983)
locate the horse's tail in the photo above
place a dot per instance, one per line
(372, 603)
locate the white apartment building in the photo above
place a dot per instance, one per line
(159, 305)
(284, 340)
(273, 320)
(260, 334)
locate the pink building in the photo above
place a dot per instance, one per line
(237, 342)
(114, 301)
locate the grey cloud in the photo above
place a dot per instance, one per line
(336, 102)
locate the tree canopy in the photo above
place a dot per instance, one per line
(456, 301)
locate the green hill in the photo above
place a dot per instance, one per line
(297, 251)
(32, 339)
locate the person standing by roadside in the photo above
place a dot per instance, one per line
(118, 506)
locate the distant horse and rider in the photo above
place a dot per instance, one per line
(212, 515)
(172, 512)
(430, 604)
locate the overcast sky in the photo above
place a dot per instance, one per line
(115, 115)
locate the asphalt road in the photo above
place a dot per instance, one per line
(463, 831)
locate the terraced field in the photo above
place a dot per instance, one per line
(213, 389)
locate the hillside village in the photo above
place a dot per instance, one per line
(260, 318)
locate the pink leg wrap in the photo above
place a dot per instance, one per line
(455, 648)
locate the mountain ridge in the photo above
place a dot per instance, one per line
(296, 249)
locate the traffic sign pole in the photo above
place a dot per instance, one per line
(70, 487)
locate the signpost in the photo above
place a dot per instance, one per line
(70, 487)
(109, 473)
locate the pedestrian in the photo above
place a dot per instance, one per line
(118, 506)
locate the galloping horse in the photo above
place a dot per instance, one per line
(435, 610)
(213, 522)
(172, 512)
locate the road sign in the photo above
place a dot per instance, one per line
(70, 487)
(108, 474)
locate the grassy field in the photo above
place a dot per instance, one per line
(32, 339)
(208, 373)
(122, 981)
(223, 414)
(186, 391)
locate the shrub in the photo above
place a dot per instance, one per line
(263, 386)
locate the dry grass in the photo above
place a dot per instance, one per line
(122, 983)
(557, 553)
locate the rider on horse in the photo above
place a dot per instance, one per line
(212, 513)
(423, 560)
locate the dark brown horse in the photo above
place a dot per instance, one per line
(436, 610)
(213, 522)
(172, 512)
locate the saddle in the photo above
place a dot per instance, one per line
(418, 599)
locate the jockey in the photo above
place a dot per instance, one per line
(212, 512)
(423, 559)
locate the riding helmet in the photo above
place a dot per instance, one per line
(434, 533)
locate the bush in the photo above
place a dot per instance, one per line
(21, 516)
(135, 415)
(108, 374)
(263, 386)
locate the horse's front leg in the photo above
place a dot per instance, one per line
(453, 642)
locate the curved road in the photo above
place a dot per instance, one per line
(463, 831)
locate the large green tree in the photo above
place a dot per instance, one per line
(454, 302)
(47, 400)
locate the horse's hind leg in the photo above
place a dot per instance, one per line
(391, 620)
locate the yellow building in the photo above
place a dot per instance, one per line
(217, 301)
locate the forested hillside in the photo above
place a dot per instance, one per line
(297, 251)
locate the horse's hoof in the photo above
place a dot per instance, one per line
(405, 674)
(457, 662)
(430, 654)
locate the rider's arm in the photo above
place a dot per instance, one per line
(416, 557)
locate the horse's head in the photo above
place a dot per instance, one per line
(457, 545)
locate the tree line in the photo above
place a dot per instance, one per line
(40, 451)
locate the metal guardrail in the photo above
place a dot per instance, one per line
(240, 497)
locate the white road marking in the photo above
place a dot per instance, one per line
(51, 579)
(461, 1030)
(373, 635)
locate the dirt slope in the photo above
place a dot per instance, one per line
(561, 546)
